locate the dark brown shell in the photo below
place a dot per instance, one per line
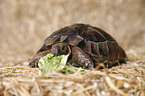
(100, 46)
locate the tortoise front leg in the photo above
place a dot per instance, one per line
(81, 59)
(36, 58)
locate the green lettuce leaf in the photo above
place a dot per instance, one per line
(51, 63)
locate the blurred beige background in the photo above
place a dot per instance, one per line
(24, 24)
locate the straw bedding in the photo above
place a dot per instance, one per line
(26, 23)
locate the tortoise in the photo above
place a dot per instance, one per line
(87, 45)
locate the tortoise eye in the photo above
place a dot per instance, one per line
(63, 48)
(92, 42)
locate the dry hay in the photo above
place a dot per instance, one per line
(126, 79)
(25, 23)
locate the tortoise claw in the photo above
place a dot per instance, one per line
(88, 46)
(81, 58)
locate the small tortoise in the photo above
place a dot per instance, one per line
(87, 45)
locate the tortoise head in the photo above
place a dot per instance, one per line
(60, 48)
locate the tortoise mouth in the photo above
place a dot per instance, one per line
(94, 43)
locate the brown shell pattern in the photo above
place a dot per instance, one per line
(99, 45)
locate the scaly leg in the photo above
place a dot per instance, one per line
(81, 59)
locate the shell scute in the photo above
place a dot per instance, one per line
(91, 41)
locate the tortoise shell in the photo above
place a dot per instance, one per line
(87, 45)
